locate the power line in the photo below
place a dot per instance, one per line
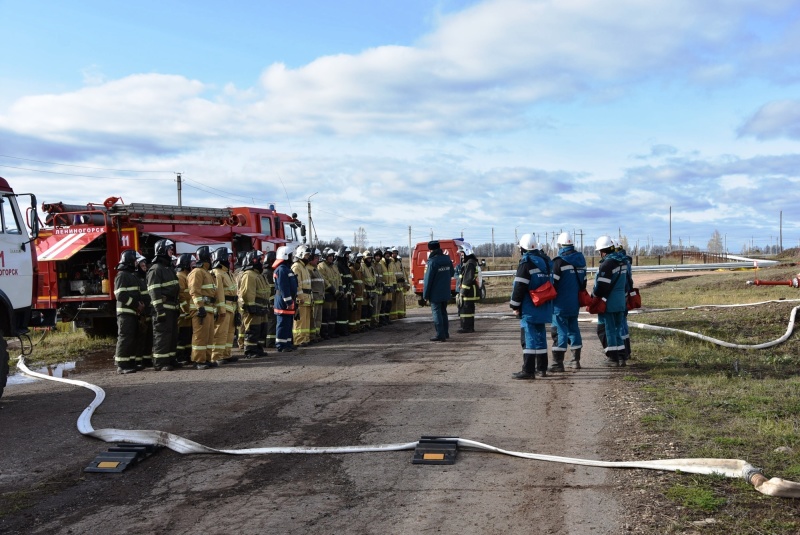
(79, 166)
(82, 176)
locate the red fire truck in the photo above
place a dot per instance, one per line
(79, 247)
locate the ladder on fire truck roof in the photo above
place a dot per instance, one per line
(141, 212)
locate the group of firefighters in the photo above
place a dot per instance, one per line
(187, 310)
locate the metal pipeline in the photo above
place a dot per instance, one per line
(732, 468)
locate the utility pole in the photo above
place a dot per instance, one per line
(670, 228)
(780, 225)
(493, 261)
(310, 226)
(409, 245)
(179, 189)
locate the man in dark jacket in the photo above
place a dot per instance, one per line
(436, 289)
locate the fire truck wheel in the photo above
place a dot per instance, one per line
(3, 363)
(102, 328)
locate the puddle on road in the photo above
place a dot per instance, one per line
(89, 363)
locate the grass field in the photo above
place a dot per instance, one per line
(722, 402)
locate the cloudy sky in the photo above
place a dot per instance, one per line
(492, 118)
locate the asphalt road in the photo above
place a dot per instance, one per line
(391, 385)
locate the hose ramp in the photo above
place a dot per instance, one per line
(732, 468)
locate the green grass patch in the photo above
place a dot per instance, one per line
(696, 498)
(54, 347)
(719, 402)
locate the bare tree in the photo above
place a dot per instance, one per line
(716, 244)
(360, 241)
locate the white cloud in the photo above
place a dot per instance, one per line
(775, 119)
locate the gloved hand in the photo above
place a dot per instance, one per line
(140, 307)
(459, 300)
(422, 302)
(216, 316)
(161, 315)
(201, 312)
(297, 315)
(237, 319)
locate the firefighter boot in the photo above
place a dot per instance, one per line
(541, 365)
(528, 371)
(558, 361)
(576, 359)
(621, 358)
(627, 349)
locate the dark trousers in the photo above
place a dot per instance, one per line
(165, 339)
(440, 321)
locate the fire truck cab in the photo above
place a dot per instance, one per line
(17, 269)
(80, 245)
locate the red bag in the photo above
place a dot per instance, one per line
(597, 306)
(584, 298)
(633, 299)
(544, 293)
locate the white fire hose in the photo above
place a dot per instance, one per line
(733, 468)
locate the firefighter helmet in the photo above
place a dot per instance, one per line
(527, 242)
(564, 239)
(303, 252)
(140, 258)
(203, 254)
(184, 262)
(378, 252)
(269, 258)
(240, 258)
(467, 250)
(163, 248)
(252, 260)
(127, 260)
(604, 244)
(219, 257)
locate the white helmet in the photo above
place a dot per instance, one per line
(467, 249)
(303, 252)
(280, 254)
(603, 243)
(564, 239)
(527, 242)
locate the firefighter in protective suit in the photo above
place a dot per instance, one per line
(389, 287)
(253, 303)
(333, 281)
(203, 291)
(401, 284)
(225, 311)
(533, 271)
(468, 292)
(129, 307)
(285, 297)
(144, 346)
(380, 276)
(305, 297)
(344, 298)
(184, 348)
(354, 321)
(368, 275)
(164, 289)
(318, 291)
